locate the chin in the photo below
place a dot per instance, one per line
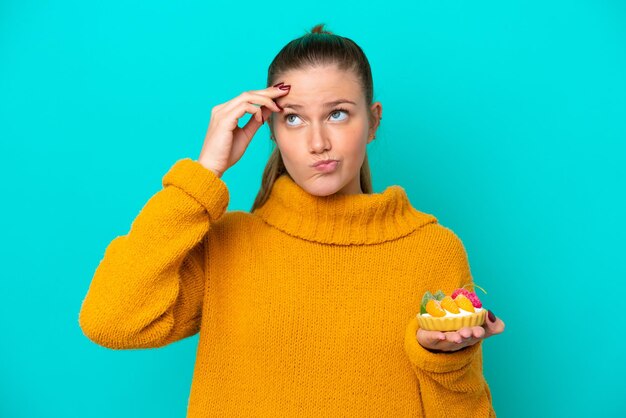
(323, 186)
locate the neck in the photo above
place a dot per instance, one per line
(342, 219)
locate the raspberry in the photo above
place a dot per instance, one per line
(470, 295)
(475, 301)
(460, 290)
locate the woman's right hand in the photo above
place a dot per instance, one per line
(225, 142)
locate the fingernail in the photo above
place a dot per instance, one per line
(276, 85)
(491, 316)
(285, 87)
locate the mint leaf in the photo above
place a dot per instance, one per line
(427, 296)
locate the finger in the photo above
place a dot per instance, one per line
(466, 332)
(257, 98)
(255, 111)
(493, 325)
(266, 113)
(468, 336)
(261, 100)
(276, 91)
(454, 337)
(478, 332)
(430, 337)
(249, 129)
(438, 336)
(255, 122)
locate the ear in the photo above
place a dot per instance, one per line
(376, 112)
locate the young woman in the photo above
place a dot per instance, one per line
(306, 304)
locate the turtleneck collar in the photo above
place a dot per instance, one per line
(341, 219)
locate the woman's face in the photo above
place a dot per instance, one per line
(324, 117)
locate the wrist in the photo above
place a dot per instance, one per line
(215, 171)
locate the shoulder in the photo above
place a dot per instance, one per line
(233, 220)
(232, 232)
(439, 242)
(235, 223)
(443, 251)
(429, 224)
(443, 235)
(453, 255)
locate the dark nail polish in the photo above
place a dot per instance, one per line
(285, 87)
(276, 85)
(491, 316)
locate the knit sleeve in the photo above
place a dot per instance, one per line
(147, 290)
(451, 383)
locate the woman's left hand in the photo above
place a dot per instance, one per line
(438, 341)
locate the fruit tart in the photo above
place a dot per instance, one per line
(439, 312)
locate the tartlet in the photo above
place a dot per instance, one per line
(462, 308)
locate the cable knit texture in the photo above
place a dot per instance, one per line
(304, 308)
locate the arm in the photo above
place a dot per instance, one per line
(148, 289)
(451, 383)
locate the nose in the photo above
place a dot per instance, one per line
(318, 141)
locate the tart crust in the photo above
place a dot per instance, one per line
(451, 323)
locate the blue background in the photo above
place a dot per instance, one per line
(506, 120)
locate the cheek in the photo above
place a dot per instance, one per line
(354, 138)
(288, 150)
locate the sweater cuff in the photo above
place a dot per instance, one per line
(200, 183)
(428, 361)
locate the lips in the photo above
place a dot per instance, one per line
(323, 162)
(328, 167)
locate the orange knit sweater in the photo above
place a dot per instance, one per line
(305, 307)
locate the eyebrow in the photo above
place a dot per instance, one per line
(329, 104)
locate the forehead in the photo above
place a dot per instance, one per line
(317, 85)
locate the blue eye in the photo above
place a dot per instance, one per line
(339, 111)
(334, 111)
(289, 115)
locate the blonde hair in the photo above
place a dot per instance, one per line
(319, 47)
